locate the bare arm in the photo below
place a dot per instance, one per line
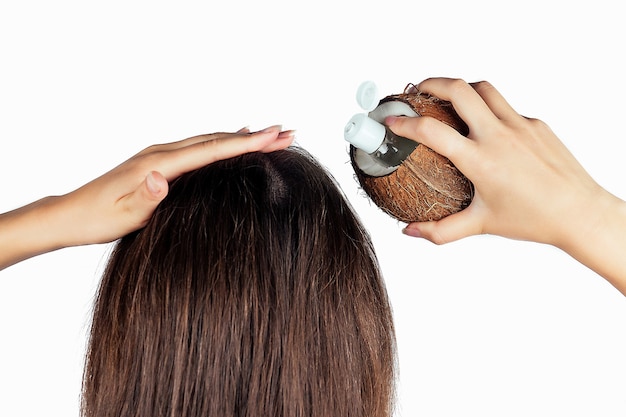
(528, 186)
(123, 199)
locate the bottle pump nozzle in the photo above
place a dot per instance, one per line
(364, 133)
(384, 148)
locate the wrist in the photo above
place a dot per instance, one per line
(32, 230)
(597, 238)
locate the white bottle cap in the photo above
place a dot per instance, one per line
(367, 96)
(364, 133)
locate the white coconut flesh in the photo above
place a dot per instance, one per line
(365, 161)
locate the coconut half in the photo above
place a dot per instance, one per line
(426, 186)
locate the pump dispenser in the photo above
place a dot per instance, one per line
(407, 180)
(379, 150)
(385, 147)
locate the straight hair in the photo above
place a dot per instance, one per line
(254, 290)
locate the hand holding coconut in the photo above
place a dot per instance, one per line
(123, 199)
(407, 180)
(527, 185)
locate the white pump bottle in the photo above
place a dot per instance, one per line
(379, 151)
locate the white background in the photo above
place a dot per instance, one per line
(485, 326)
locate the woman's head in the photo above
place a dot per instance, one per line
(254, 290)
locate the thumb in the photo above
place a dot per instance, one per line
(448, 229)
(142, 202)
(155, 186)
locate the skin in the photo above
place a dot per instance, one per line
(123, 199)
(528, 186)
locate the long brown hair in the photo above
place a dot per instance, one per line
(253, 291)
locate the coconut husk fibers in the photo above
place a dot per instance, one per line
(427, 186)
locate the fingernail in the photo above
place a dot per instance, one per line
(411, 89)
(411, 232)
(245, 129)
(272, 129)
(153, 185)
(287, 134)
(389, 120)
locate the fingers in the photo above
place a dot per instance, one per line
(203, 153)
(141, 203)
(176, 158)
(479, 104)
(283, 140)
(466, 101)
(244, 132)
(449, 229)
(166, 147)
(438, 136)
(495, 101)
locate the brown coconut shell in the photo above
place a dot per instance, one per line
(427, 186)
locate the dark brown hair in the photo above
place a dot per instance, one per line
(253, 291)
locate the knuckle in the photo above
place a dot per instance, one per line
(211, 145)
(149, 150)
(216, 147)
(437, 239)
(482, 85)
(424, 122)
(144, 162)
(424, 125)
(537, 124)
(534, 126)
(458, 87)
(416, 128)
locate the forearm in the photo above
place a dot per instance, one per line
(31, 230)
(600, 243)
(123, 199)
